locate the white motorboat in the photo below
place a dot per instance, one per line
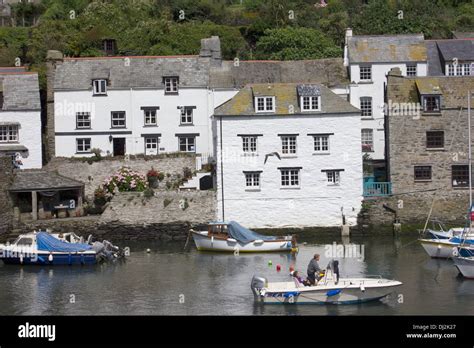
(446, 248)
(465, 266)
(232, 237)
(329, 290)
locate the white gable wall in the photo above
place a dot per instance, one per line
(315, 203)
(29, 134)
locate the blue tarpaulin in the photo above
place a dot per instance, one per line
(245, 235)
(48, 242)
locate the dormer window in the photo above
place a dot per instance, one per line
(265, 104)
(431, 103)
(100, 87)
(171, 84)
(310, 103)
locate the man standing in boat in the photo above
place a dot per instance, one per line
(314, 271)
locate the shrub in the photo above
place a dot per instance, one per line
(187, 173)
(152, 173)
(100, 197)
(125, 180)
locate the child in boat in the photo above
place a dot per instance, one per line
(300, 280)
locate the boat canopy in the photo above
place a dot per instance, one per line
(48, 242)
(245, 235)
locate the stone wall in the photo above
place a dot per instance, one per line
(165, 207)
(6, 208)
(412, 210)
(94, 174)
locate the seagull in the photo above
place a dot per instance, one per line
(271, 154)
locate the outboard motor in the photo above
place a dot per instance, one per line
(257, 284)
(333, 265)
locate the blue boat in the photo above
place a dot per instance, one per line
(42, 248)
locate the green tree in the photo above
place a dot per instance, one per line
(292, 43)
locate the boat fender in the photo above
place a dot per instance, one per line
(50, 258)
(258, 241)
(362, 288)
(439, 246)
(212, 240)
(333, 292)
(278, 268)
(21, 258)
(232, 240)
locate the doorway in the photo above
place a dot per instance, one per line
(119, 146)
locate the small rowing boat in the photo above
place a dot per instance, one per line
(232, 237)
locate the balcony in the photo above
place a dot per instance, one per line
(377, 189)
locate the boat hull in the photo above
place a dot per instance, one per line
(205, 243)
(443, 249)
(57, 259)
(338, 294)
(465, 266)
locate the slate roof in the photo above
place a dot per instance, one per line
(386, 48)
(20, 91)
(143, 71)
(242, 104)
(39, 180)
(454, 89)
(434, 60)
(463, 35)
(330, 72)
(461, 49)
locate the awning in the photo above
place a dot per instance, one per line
(13, 148)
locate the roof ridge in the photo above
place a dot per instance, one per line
(131, 57)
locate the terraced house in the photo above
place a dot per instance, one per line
(288, 154)
(131, 105)
(369, 59)
(430, 152)
(20, 117)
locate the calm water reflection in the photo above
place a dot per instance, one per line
(157, 283)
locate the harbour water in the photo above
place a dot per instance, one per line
(170, 281)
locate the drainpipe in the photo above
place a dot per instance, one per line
(222, 171)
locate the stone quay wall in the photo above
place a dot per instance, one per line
(412, 211)
(131, 216)
(94, 174)
(6, 208)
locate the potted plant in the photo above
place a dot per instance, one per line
(153, 178)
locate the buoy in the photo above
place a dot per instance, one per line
(270, 262)
(50, 258)
(278, 268)
(148, 251)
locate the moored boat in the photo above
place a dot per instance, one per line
(232, 237)
(42, 248)
(445, 248)
(465, 266)
(329, 290)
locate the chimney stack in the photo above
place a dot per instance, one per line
(211, 47)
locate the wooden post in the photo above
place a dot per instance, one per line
(79, 203)
(34, 204)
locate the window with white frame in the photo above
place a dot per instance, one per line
(451, 70)
(365, 73)
(100, 87)
(83, 145)
(171, 84)
(290, 177)
(264, 104)
(411, 69)
(366, 106)
(187, 115)
(367, 136)
(252, 180)
(459, 69)
(431, 103)
(249, 144)
(150, 117)
(187, 143)
(118, 119)
(288, 144)
(310, 103)
(333, 177)
(9, 133)
(83, 120)
(321, 143)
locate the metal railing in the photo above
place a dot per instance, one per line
(377, 189)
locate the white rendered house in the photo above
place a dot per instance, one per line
(288, 155)
(369, 59)
(20, 117)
